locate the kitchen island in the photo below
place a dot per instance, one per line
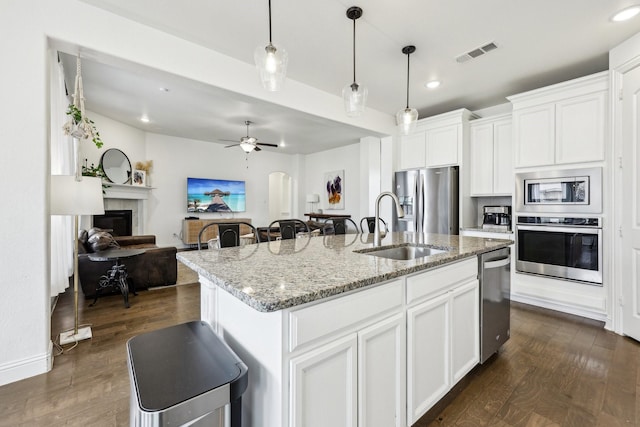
(333, 335)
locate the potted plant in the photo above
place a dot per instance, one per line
(81, 127)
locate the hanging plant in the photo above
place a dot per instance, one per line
(79, 125)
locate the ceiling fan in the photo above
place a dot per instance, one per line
(248, 143)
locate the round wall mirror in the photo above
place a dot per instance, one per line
(116, 166)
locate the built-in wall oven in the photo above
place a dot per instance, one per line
(568, 247)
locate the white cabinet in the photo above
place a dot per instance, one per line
(443, 330)
(354, 380)
(381, 373)
(580, 128)
(428, 352)
(465, 326)
(443, 145)
(437, 141)
(561, 124)
(323, 385)
(413, 151)
(490, 157)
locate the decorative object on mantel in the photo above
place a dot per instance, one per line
(335, 185)
(116, 166)
(146, 167)
(407, 118)
(139, 178)
(79, 125)
(95, 171)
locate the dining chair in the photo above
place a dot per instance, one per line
(288, 228)
(338, 226)
(228, 233)
(371, 224)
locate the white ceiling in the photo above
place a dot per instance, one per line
(539, 43)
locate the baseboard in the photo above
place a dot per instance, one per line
(28, 367)
(576, 311)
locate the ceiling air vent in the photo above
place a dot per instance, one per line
(472, 54)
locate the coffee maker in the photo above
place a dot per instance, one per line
(496, 218)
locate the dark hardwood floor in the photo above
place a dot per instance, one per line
(556, 370)
(89, 385)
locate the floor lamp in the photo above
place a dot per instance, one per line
(71, 197)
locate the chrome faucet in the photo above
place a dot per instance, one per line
(400, 212)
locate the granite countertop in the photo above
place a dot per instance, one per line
(276, 275)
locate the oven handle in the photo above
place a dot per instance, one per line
(543, 228)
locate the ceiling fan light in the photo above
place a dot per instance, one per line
(247, 147)
(355, 99)
(272, 66)
(407, 118)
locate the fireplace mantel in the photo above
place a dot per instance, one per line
(125, 191)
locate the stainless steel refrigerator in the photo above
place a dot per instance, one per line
(429, 198)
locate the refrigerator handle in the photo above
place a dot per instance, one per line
(423, 202)
(416, 203)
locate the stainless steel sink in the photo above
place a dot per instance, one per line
(405, 253)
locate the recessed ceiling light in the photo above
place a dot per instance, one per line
(626, 14)
(282, 144)
(164, 89)
(433, 84)
(144, 119)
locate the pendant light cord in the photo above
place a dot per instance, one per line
(269, 21)
(354, 50)
(408, 55)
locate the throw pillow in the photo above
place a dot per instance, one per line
(95, 230)
(82, 241)
(101, 240)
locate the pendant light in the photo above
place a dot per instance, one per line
(354, 95)
(271, 63)
(407, 117)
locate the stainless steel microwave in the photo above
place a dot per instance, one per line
(560, 191)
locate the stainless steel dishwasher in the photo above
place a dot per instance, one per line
(495, 300)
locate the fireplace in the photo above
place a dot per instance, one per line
(120, 221)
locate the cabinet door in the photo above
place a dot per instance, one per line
(465, 329)
(580, 128)
(503, 178)
(323, 385)
(442, 146)
(412, 151)
(481, 159)
(381, 373)
(428, 358)
(534, 133)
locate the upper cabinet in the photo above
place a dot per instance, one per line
(561, 124)
(490, 156)
(437, 141)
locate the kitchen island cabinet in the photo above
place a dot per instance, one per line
(325, 329)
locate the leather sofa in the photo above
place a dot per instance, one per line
(155, 267)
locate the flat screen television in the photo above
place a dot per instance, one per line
(215, 195)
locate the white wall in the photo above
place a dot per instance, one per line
(30, 28)
(343, 158)
(114, 134)
(175, 159)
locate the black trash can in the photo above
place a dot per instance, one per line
(185, 374)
